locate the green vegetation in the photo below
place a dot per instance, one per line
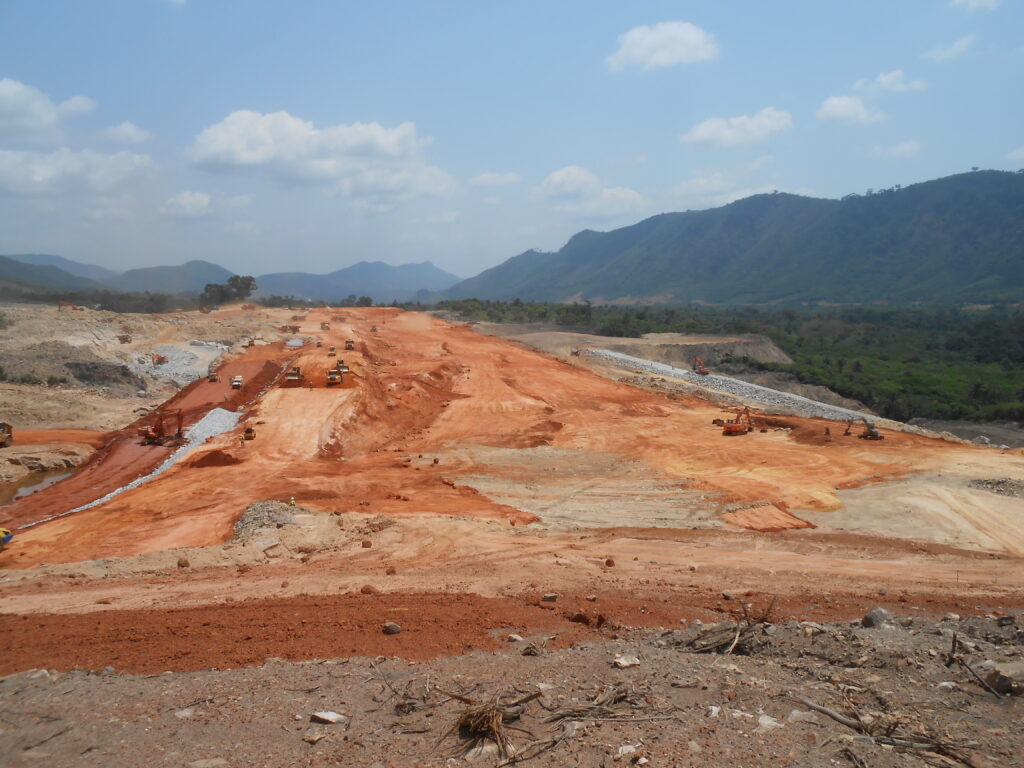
(934, 362)
(236, 288)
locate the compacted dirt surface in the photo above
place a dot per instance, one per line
(467, 488)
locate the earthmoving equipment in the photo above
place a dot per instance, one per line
(159, 359)
(236, 382)
(870, 430)
(157, 433)
(331, 352)
(249, 434)
(325, 326)
(205, 310)
(698, 367)
(349, 344)
(740, 425)
(333, 377)
(251, 343)
(6, 434)
(294, 374)
(5, 537)
(319, 343)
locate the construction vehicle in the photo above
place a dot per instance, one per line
(251, 343)
(870, 430)
(331, 352)
(6, 434)
(698, 367)
(333, 377)
(349, 344)
(740, 425)
(212, 377)
(159, 359)
(205, 310)
(5, 537)
(236, 382)
(157, 432)
(319, 343)
(294, 374)
(325, 326)
(249, 434)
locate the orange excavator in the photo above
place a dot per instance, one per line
(870, 430)
(698, 367)
(740, 425)
(157, 432)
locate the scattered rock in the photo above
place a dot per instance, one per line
(369, 589)
(951, 617)
(948, 686)
(727, 595)
(366, 544)
(513, 638)
(183, 562)
(876, 617)
(609, 563)
(591, 598)
(391, 570)
(766, 724)
(626, 750)
(624, 661)
(1006, 621)
(328, 717)
(550, 597)
(391, 628)
(802, 716)
(1007, 677)
(211, 762)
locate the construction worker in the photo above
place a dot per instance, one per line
(291, 502)
(241, 441)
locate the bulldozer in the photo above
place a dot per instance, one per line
(294, 374)
(333, 377)
(331, 352)
(325, 326)
(249, 433)
(870, 431)
(698, 367)
(212, 377)
(157, 432)
(349, 344)
(740, 425)
(6, 434)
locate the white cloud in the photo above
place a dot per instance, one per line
(891, 81)
(1016, 156)
(27, 112)
(489, 179)
(976, 5)
(127, 133)
(743, 129)
(902, 149)
(848, 108)
(188, 205)
(576, 190)
(951, 51)
(363, 160)
(38, 173)
(664, 44)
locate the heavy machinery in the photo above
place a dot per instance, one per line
(698, 367)
(205, 310)
(349, 344)
(157, 433)
(159, 359)
(249, 433)
(325, 326)
(6, 434)
(236, 382)
(331, 352)
(740, 425)
(294, 374)
(5, 537)
(870, 430)
(212, 377)
(251, 343)
(333, 377)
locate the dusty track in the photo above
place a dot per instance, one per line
(512, 473)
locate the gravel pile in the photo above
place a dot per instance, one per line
(1004, 486)
(215, 422)
(263, 514)
(755, 392)
(182, 366)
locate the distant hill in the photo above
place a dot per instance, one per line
(190, 277)
(91, 271)
(960, 238)
(381, 282)
(43, 276)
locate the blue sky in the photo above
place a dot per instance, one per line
(281, 136)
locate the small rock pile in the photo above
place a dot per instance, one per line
(263, 514)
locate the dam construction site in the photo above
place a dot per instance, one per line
(369, 536)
